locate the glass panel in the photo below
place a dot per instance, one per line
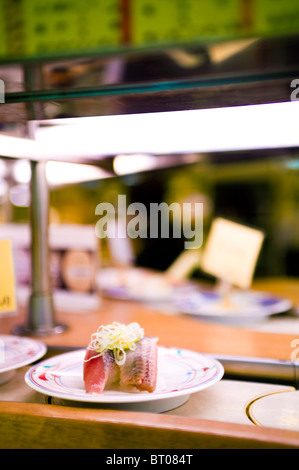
(230, 73)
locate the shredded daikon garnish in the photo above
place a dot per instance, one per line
(116, 337)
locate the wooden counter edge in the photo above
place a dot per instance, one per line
(34, 426)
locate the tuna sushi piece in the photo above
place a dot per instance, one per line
(99, 371)
(140, 368)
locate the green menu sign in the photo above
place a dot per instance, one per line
(37, 28)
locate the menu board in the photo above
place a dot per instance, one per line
(70, 25)
(168, 20)
(276, 16)
(35, 28)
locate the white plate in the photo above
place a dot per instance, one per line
(135, 284)
(15, 352)
(276, 410)
(180, 373)
(246, 306)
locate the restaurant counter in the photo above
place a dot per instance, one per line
(220, 416)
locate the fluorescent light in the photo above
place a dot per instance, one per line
(61, 173)
(19, 147)
(127, 164)
(206, 130)
(260, 126)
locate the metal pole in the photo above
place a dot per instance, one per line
(40, 315)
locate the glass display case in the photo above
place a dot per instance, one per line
(158, 113)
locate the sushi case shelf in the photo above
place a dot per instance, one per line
(215, 417)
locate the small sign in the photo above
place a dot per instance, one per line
(231, 252)
(7, 278)
(183, 265)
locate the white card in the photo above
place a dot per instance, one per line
(231, 252)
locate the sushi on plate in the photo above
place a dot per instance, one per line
(121, 356)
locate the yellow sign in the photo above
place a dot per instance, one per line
(7, 278)
(231, 252)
